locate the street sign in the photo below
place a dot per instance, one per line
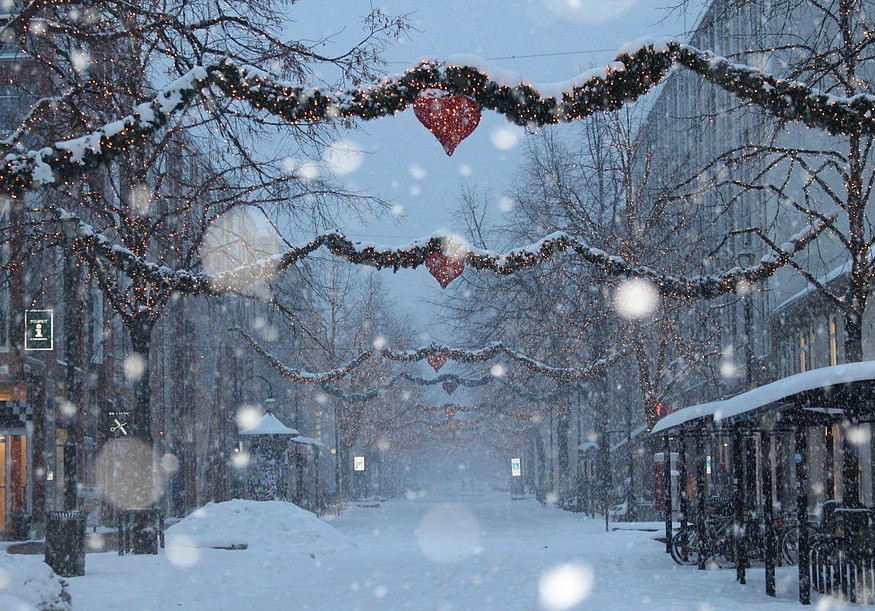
(515, 467)
(358, 463)
(38, 329)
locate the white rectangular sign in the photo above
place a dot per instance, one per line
(515, 467)
(358, 463)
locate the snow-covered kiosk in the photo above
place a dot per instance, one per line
(267, 442)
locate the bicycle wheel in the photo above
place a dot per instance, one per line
(685, 547)
(789, 546)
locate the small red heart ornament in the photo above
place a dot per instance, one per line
(444, 268)
(436, 361)
(451, 411)
(451, 118)
(450, 387)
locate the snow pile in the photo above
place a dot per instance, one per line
(28, 584)
(257, 525)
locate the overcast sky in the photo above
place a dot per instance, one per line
(544, 41)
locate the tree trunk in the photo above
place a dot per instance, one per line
(141, 339)
(563, 425)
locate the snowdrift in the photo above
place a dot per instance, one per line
(28, 584)
(259, 525)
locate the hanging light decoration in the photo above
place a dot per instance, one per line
(436, 361)
(445, 268)
(451, 118)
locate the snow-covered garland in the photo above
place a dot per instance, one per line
(373, 393)
(92, 244)
(634, 72)
(562, 374)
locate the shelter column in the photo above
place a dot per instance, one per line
(768, 517)
(801, 459)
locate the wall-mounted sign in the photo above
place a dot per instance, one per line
(358, 463)
(119, 423)
(515, 467)
(38, 326)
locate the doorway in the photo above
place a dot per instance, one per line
(13, 477)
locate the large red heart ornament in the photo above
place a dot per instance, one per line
(444, 268)
(450, 387)
(451, 118)
(436, 361)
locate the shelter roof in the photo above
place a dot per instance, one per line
(819, 396)
(269, 424)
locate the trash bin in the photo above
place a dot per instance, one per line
(140, 531)
(19, 527)
(65, 542)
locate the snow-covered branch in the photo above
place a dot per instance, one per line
(634, 72)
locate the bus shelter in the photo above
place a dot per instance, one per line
(765, 434)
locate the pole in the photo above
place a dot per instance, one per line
(804, 564)
(738, 502)
(71, 462)
(666, 491)
(768, 517)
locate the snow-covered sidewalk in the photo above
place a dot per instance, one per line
(428, 551)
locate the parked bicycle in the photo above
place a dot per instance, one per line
(719, 546)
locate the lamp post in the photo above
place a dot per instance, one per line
(70, 225)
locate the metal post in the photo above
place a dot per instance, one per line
(700, 500)
(770, 550)
(801, 460)
(850, 469)
(682, 482)
(666, 491)
(738, 503)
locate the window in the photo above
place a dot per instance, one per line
(10, 108)
(803, 352)
(833, 340)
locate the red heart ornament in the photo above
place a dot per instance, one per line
(450, 387)
(451, 118)
(436, 361)
(444, 268)
(451, 411)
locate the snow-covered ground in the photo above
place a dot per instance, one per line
(432, 550)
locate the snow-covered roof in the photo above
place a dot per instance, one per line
(824, 280)
(309, 441)
(824, 380)
(586, 445)
(269, 424)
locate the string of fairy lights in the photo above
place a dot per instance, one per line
(633, 73)
(445, 380)
(445, 257)
(559, 374)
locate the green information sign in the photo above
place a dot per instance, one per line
(38, 327)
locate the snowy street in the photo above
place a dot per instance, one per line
(436, 550)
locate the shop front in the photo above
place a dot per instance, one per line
(15, 469)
